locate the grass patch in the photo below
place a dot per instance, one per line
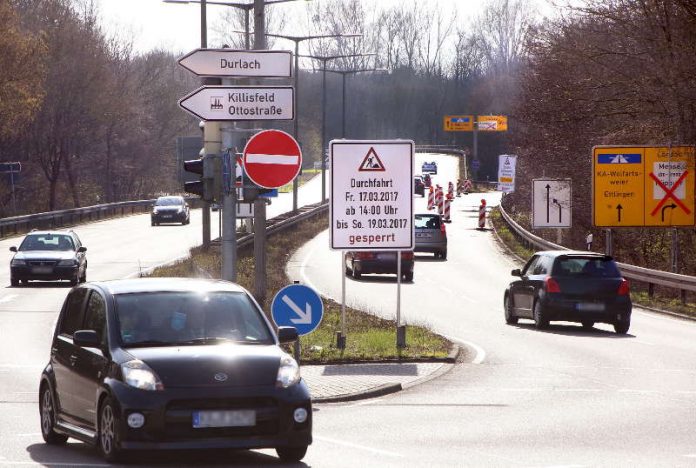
(368, 337)
(508, 236)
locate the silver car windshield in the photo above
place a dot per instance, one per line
(189, 317)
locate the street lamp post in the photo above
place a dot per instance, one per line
(324, 59)
(343, 74)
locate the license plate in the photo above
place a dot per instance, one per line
(42, 270)
(423, 235)
(166, 216)
(590, 307)
(224, 418)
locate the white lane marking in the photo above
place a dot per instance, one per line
(358, 446)
(690, 455)
(280, 159)
(303, 267)
(480, 352)
(8, 298)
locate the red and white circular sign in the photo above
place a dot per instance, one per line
(272, 158)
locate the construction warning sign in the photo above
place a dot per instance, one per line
(371, 194)
(643, 186)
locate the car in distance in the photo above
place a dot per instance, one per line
(427, 180)
(431, 235)
(359, 263)
(418, 186)
(49, 256)
(172, 363)
(170, 209)
(429, 168)
(571, 286)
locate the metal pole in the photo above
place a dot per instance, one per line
(260, 250)
(14, 200)
(341, 339)
(400, 330)
(206, 205)
(295, 183)
(608, 248)
(229, 209)
(204, 26)
(475, 146)
(323, 132)
(247, 45)
(343, 107)
(675, 250)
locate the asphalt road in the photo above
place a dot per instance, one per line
(562, 397)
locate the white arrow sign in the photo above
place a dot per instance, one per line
(305, 316)
(225, 103)
(228, 62)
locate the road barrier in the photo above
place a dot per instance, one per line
(482, 214)
(431, 198)
(651, 277)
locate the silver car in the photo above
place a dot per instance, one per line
(431, 235)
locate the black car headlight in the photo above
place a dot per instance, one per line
(288, 372)
(137, 374)
(18, 262)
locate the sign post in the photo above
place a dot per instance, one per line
(12, 168)
(372, 203)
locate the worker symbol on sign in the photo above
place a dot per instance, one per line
(371, 162)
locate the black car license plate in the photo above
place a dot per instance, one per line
(224, 418)
(590, 306)
(42, 270)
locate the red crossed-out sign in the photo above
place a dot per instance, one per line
(272, 158)
(669, 193)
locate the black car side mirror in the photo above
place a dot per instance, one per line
(13, 249)
(86, 339)
(287, 334)
(82, 249)
(516, 272)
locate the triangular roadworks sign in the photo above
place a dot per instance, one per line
(371, 162)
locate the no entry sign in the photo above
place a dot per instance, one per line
(272, 158)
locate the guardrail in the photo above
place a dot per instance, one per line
(651, 277)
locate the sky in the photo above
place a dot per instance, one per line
(154, 24)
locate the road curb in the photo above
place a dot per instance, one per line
(382, 390)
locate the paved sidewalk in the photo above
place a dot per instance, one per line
(346, 382)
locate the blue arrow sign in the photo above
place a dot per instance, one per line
(297, 306)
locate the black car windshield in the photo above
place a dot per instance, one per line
(169, 201)
(183, 317)
(58, 242)
(427, 221)
(597, 267)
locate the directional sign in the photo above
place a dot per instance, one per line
(643, 186)
(297, 306)
(272, 158)
(372, 194)
(551, 203)
(241, 63)
(458, 123)
(492, 123)
(227, 103)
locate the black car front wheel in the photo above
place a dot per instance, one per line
(621, 326)
(291, 454)
(14, 282)
(510, 317)
(109, 437)
(587, 324)
(47, 410)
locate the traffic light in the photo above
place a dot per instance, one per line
(208, 167)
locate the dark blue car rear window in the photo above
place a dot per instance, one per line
(586, 267)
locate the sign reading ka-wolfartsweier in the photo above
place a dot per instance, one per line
(223, 103)
(372, 194)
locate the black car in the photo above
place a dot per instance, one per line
(380, 262)
(172, 363)
(569, 286)
(49, 256)
(170, 209)
(418, 186)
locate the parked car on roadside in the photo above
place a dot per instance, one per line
(172, 363)
(49, 256)
(380, 262)
(571, 286)
(170, 209)
(431, 235)
(418, 186)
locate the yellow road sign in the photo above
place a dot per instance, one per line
(643, 186)
(458, 123)
(492, 123)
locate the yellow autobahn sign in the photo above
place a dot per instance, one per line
(458, 123)
(643, 186)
